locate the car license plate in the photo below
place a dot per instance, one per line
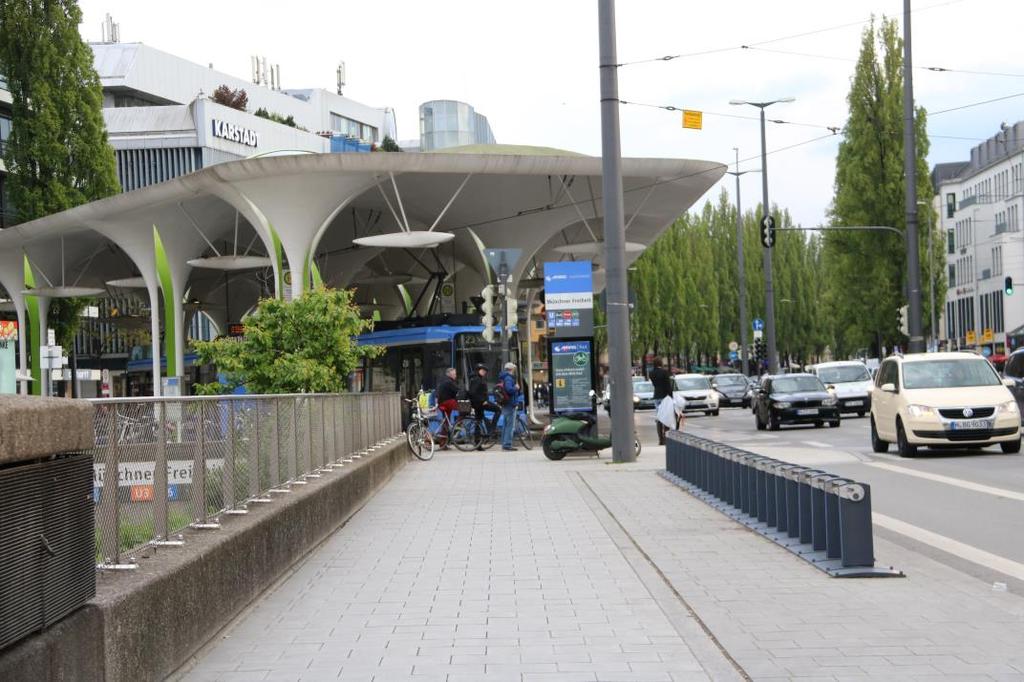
(855, 403)
(808, 410)
(964, 424)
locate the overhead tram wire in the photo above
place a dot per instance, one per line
(670, 107)
(933, 69)
(671, 57)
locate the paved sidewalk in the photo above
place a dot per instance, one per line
(505, 566)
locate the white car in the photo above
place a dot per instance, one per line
(696, 393)
(851, 382)
(942, 400)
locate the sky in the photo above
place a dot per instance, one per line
(531, 68)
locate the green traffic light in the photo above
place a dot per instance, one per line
(1008, 286)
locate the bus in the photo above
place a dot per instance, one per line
(417, 352)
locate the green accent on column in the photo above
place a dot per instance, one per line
(278, 259)
(406, 298)
(34, 333)
(318, 281)
(163, 273)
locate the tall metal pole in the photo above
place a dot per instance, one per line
(769, 289)
(740, 261)
(914, 325)
(619, 356)
(934, 336)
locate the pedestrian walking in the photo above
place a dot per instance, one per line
(662, 383)
(480, 400)
(506, 393)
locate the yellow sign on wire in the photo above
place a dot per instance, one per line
(693, 119)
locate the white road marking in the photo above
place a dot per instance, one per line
(817, 444)
(954, 547)
(949, 480)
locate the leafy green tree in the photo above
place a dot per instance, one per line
(301, 346)
(57, 155)
(388, 145)
(867, 270)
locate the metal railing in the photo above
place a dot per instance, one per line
(185, 462)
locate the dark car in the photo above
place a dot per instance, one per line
(1014, 370)
(794, 399)
(733, 390)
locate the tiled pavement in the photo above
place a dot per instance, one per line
(505, 566)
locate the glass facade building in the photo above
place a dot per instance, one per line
(447, 123)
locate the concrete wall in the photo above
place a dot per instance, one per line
(146, 623)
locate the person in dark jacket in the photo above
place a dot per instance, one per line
(662, 389)
(447, 395)
(509, 387)
(480, 399)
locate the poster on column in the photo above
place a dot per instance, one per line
(569, 298)
(8, 362)
(572, 376)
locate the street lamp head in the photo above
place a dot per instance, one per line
(785, 100)
(738, 102)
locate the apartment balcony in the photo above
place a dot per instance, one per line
(967, 201)
(1002, 227)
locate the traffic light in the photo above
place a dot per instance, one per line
(489, 308)
(1008, 286)
(768, 232)
(512, 315)
(759, 350)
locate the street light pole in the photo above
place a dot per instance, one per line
(769, 289)
(741, 263)
(910, 173)
(619, 360)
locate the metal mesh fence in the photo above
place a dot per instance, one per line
(161, 465)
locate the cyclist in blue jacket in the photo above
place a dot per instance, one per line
(506, 394)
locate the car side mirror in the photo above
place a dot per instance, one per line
(1009, 382)
(888, 388)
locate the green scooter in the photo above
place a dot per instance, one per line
(576, 432)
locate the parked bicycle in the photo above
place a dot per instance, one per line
(418, 433)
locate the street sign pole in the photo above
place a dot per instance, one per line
(619, 355)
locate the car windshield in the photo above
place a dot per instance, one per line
(948, 374)
(843, 375)
(796, 385)
(731, 380)
(691, 383)
(643, 387)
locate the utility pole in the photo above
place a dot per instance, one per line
(914, 325)
(741, 264)
(619, 356)
(766, 217)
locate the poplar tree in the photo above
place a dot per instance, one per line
(867, 270)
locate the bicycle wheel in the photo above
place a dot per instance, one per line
(522, 432)
(421, 441)
(465, 434)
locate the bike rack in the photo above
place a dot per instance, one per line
(822, 518)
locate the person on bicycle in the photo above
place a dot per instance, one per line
(447, 396)
(506, 391)
(480, 400)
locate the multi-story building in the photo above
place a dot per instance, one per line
(981, 208)
(162, 121)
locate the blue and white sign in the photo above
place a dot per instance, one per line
(733, 355)
(758, 324)
(569, 298)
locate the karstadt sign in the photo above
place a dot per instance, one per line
(234, 133)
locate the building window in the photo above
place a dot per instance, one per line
(351, 128)
(950, 204)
